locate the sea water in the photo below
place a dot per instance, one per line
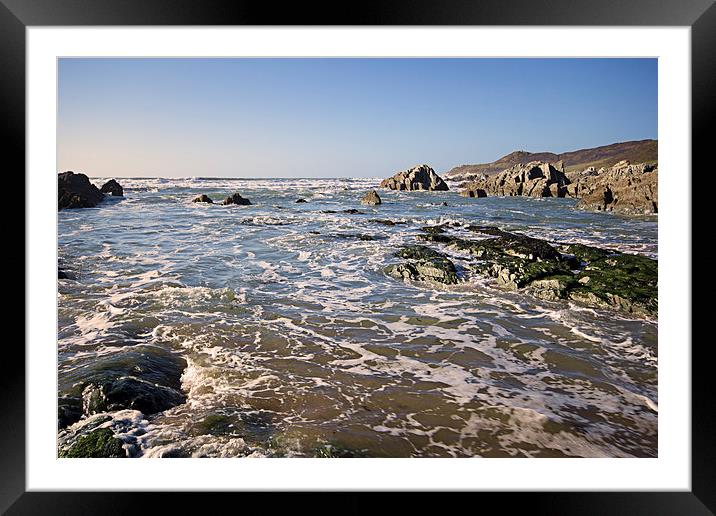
(298, 344)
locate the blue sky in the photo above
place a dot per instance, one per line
(340, 117)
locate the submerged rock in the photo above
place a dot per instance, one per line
(203, 198)
(424, 264)
(387, 222)
(298, 201)
(420, 177)
(76, 191)
(112, 187)
(236, 199)
(372, 198)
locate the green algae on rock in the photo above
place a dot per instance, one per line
(595, 277)
(424, 264)
(100, 442)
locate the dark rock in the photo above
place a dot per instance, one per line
(144, 378)
(203, 198)
(301, 201)
(435, 230)
(386, 222)
(474, 192)
(129, 393)
(98, 443)
(112, 187)
(421, 177)
(69, 410)
(371, 197)
(351, 211)
(236, 199)
(76, 191)
(63, 274)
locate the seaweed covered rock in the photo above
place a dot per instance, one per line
(424, 264)
(203, 198)
(113, 188)
(236, 199)
(76, 191)
(97, 443)
(421, 177)
(595, 277)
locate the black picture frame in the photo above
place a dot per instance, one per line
(700, 15)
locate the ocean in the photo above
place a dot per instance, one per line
(297, 344)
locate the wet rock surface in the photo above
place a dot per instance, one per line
(236, 199)
(112, 187)
(203, 198)
(423, 264)
(97, 443)
(143, 378)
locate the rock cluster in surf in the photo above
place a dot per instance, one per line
(76, 191)
(591, 276)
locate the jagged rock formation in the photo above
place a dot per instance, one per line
(76, 191)
(623, 188)
(421, 177)
(371, 198)
(535, 179)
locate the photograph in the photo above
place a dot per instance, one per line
(357, 257)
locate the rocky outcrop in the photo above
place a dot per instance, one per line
(112, 187)
(424, 264)
(421, 177)
(591, 276)
(76, 191)
(371, 198)
(203, 198)
(534, 179)
(236, 199)
(623, 188)
(643, 151)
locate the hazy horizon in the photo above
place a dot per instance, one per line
(311, 118)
